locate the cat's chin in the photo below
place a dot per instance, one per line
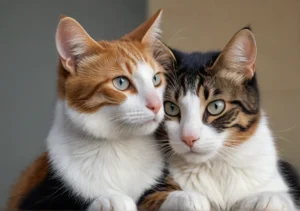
(147, 127)
(198, 157)
(141, 129)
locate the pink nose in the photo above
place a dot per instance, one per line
(189, 140)
(154, 106)
(153, 103)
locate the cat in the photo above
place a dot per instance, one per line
(101, 143)
(223, 152)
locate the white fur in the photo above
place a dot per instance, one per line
(106, 155)
(113, 202)
(225, 175)
(185, 201)
(209, 140)
(267, 201)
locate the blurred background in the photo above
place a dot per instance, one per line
(28, 60)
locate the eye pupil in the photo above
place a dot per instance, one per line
(121, 83)
(156, 80)
(172, 107)
(216, 107)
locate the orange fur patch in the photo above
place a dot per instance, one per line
(153, 201)
(238, 137)
(29, 179)
(91, 86)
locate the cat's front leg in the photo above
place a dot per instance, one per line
(185, 201)
(117, 202)
(267, 201)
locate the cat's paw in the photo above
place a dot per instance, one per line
(266, 202)
(113, 203)
(185, 201)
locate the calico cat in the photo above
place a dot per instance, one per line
(223, 152)
(100, 146)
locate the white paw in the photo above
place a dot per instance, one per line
(185, 201)
(266, 202)
(113, 203)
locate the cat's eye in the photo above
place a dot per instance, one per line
(216, 107)
(171, 109)
(156, 79)
(121, 83)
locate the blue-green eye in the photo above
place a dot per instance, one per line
(216, 107)
(171, 109)
(121, 83)
(156, 79)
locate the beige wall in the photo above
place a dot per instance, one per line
(207, 25)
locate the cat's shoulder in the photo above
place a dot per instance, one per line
(33, 175)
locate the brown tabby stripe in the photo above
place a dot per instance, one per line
(240, 133)
(244, 108)
(154, 200)
(221, 122)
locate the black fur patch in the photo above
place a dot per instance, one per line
(52, 194)
(292, 179)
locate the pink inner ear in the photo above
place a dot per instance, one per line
(62, 49)
(154, 31)
(250, 53)
(63, 37)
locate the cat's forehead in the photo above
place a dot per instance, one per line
(118, 58)
(192, 73)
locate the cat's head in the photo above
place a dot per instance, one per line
(212, 99)
(112, 89)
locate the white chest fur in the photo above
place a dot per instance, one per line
(249, 169)
(94, 168)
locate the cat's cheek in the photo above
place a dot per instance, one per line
(97, 124)
(173, 129)
(160, 92)
(160, 115)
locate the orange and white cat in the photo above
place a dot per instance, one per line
(100, 151)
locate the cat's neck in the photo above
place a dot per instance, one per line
(83, 161)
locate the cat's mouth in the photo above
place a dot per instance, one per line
(153, 120)
(194, 152)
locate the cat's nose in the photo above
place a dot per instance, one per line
(189, 140)
(154, 106)
(153, 103)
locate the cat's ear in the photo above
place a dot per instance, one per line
(238, 59)
(163, 55)
(72, 42)
(149, 31)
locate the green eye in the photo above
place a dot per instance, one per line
(171, 109)
(156, 79)
(121, 83)
(216, 107)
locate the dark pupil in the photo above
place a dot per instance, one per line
(121, 81)
(172, 107)
(154, 78)
(216, 106)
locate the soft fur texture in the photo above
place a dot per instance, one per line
(223, 160)
(104, 153)
(100, 146)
